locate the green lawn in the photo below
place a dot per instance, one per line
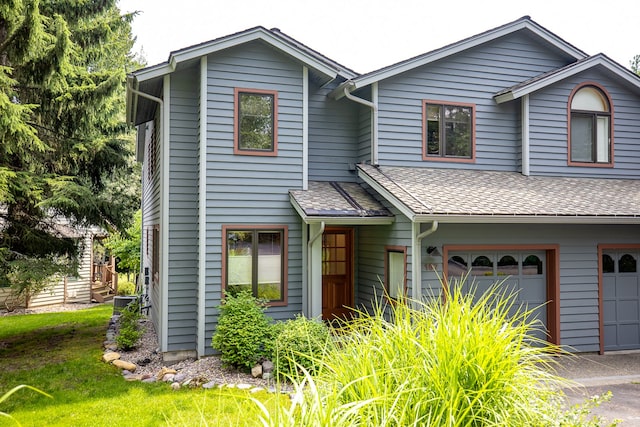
(60, 353)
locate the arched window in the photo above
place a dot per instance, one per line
(590, 139)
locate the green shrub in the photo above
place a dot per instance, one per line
(126, 288)
(299, 344)
(243, 329)
(472, 361)
(129, 328)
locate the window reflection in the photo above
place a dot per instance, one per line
(507, 266)
(457, 266)
(482, 266)
(627, 264)
(532, 265)
(608, 265)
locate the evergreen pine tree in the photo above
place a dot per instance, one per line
(62, 132)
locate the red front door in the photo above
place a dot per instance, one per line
(337, 273)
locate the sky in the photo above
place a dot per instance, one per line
(365, 35)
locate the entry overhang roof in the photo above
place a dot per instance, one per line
(338, 203)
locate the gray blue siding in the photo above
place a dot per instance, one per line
(371, 244)
(548, 124)
(183, 211)
(332, 136)
(151, 215)
(472, 76)
(252, 190)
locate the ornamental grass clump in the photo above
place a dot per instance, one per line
(298, 346)
(470, 361)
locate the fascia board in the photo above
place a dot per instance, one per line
(464, 45)
(257, 34)
(153, 72)
(527, 219)
(350, 220)
(571, 71)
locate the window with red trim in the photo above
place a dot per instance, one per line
(255, 260)
(448, 131)
(590, 127)
(256, 122)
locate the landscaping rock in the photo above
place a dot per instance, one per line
(256, 371)
(243, 386)
(266, 376)
(169, 378)
(125, 365)
(111, 346)
(149, 380)
(110, 356)
(180, 378)
(175, 386)
(165, 371)
(134, 377)
(267, 367)
(209, 385)
(256, 390)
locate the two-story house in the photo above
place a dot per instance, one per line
(269, 167)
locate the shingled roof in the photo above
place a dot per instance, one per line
(503, 195)
(337, 200)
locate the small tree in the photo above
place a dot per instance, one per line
(125, 246)
(29, 276)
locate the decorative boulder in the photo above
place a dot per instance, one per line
(110, 356)
(256, 371)
(125, 365)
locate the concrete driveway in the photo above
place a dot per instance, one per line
(597, 374)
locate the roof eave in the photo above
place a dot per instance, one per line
(470, 42)
(594, 61)
(528, 219)
(339, 220)
(259, 33)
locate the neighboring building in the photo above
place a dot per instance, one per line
(270, 167)
(79, 288)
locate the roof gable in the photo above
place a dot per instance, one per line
(274, 38)
(551, 77)
(524, 23)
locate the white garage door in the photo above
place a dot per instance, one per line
(525, 273)
(621, 300)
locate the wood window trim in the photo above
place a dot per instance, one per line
(236, 123)
(387, 250)
(601, 88)
(603, 247)
(425, 155)
(285, 256)
(552, 260)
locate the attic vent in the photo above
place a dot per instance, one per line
(276, 29)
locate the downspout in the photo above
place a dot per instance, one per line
(145, 95)
(160, 102)
(202, 209)
(310, 267)
(374, 120)
(416, 284)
